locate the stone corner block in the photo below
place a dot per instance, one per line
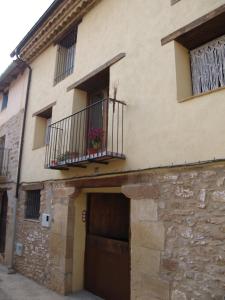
(150, 288)
(148, 234)
(144, 210)
(65, 192)
(144, 260)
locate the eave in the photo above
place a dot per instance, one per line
(64, 15)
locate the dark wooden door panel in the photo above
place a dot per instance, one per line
(3, 220)
(109, 216)
(107, 263)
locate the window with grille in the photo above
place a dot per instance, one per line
(208, 66)
(65, 56)
(33, 204)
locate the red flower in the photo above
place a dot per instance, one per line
(96, 134)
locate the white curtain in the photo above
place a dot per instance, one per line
(208, 66)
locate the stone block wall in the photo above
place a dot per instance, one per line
(47, 252)
(177, 234)
(34, 262)
(12, 132)
(192, 208)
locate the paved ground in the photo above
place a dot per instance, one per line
(18, 287)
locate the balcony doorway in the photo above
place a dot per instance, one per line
(94, 134)
(97, 121)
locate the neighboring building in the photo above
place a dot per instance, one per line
(130, 204)
(13, 86)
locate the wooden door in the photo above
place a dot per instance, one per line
(2, 148)
(3, 219)
(107, 259)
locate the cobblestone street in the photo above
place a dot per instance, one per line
(18, 287)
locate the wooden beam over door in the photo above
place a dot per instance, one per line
(200, 31)
(41, 111)
(114, 181)
(33, 186)
(78, 84)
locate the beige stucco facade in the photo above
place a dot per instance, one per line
(146, 80)
(16, 98)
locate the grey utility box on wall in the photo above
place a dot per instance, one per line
(19, 249)
(46, 220)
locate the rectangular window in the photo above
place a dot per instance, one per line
(4, 101)
(33, 205)
(65, 56)
(42, 130)
(208, 66)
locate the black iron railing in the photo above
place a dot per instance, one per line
(4, 160)
(94, 134)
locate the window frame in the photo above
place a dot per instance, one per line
(42, 124)
(211, 53)
(191, 36)
(5, 100)
(65, 62)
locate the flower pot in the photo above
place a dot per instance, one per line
(92, 151)
(54, 163)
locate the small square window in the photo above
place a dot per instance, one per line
(4, 101)
(42, 128)
(65, 56)
(33, 205)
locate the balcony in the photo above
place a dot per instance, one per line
(92, 135)
(4, 160)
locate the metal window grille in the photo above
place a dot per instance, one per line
(208, 66)
(65, 56)
(33, 204)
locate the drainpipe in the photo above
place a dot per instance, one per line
(10, 267)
